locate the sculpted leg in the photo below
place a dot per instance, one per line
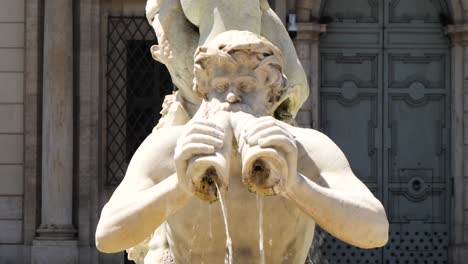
(213, 17)
(178, 40)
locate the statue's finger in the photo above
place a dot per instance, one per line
(207, 130)
(204, 139)
(210, 123)
(278, 141)
(252, 130)
(269, 131)
(255, 121)
(264, 123)
(270, 119)
(193, 149)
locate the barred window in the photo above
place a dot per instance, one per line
(136, 87)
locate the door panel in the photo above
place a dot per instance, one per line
(362, 151)
(351, 90)
(416, 144)
(385, 86)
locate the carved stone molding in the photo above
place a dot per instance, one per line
(458, 34)
(310, 31)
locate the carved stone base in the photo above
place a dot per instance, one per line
(54, 252)
(56, 233)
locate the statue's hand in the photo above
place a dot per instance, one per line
(267, 132)
(202, 137)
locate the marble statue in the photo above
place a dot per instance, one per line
(229, 134)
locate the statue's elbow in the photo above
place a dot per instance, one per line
(375, 232)
(381, 238)
(105, 244)
(379, 235)
(102, 242)
(380, 227)
(105, 240)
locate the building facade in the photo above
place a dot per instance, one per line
(79, 91)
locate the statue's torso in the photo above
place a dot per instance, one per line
(196, 233)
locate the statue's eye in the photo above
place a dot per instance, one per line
(246, 86)
(221, 87)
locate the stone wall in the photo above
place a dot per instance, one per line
(11, 128)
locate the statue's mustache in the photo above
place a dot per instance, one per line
(213, 107)
(236, 107)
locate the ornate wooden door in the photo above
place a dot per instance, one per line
(385, 83)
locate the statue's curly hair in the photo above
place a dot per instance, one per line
(225, 46)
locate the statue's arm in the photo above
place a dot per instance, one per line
(147, 196)
(332, 195)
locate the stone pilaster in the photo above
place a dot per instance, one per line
(56, 236)
(89, 108)
(459, 137)
(281, 9)
(304, 10)
(307, 47)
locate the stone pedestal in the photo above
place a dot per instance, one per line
(50, 251)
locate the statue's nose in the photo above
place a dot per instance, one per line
(232, 97)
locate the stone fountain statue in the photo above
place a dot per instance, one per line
(229, 135)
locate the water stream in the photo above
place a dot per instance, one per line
(228, 258)
(260, 228)
(210, 223)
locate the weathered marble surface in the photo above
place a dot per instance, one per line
(230, 123)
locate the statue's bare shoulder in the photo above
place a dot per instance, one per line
(152, 162)
(330, 165)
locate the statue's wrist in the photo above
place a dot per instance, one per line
(183, 188)
(293, 184)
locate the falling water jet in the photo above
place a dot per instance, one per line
(260, 228)
(228, 258)
(210, 223)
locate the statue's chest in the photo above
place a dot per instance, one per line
(201, 225)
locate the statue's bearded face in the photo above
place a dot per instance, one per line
(238, 87)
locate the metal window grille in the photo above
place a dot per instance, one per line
(136, 86)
